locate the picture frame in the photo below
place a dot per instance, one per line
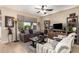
(9, 21)
(47, 23)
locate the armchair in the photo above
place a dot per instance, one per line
(52, 46)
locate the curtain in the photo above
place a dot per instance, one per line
(26, 19)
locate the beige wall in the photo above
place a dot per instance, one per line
(13, 13)
(60, 17)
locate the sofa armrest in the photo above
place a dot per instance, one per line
(63, 49)
(39, 48)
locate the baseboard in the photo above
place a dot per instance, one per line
(3, 42)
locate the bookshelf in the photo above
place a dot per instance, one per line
(72, 25)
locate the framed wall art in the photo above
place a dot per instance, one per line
(9, 21)
(47, 24)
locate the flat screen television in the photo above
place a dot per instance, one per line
(57, 26)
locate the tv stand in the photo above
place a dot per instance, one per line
(58, 30)
(55, 32)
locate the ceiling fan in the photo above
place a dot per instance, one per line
(43, 9)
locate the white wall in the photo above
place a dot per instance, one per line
(0, 33)
(0, 26)
(6, 12)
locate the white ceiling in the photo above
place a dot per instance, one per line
(31, 8)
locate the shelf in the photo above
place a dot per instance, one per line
(71, 31)
(71, 22)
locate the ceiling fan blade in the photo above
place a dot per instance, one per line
(38, 12)
(49, 9)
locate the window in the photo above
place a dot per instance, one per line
(27, 25)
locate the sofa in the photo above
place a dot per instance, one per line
(52, 46)
(25, 37)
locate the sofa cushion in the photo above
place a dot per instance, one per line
(48, 45)
(63, 49)
(52, 42)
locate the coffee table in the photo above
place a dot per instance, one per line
(34, 40)
(37, 39)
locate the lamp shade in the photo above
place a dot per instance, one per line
(74, 29)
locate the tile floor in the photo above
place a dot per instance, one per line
(17, 47)
(20, 47)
